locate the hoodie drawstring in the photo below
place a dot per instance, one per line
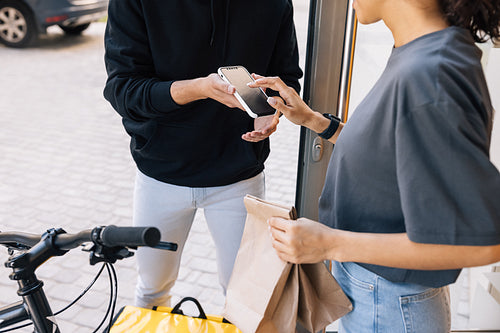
(212, 37)
(226, 28)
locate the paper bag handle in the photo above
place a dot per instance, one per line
(177, 307)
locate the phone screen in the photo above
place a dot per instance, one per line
(254, 100)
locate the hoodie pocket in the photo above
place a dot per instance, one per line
(142, 141)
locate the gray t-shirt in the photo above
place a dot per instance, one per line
(414, 156)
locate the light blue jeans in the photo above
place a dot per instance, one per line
(382, 306)
(171, 209)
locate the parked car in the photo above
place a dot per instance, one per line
(22, 21)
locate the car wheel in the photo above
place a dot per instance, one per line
(17, 24)
(75, 30)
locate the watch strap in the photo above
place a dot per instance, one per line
(332, 127)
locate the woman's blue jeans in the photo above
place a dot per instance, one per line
(382, 306)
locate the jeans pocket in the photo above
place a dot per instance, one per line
(428, 311)
(355, 275)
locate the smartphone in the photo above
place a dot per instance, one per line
(253, 100)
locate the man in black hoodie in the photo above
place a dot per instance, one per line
(192, 146)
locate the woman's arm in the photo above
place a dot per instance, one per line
(294, 108)
(307, 241)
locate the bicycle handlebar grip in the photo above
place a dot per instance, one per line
(130, 236)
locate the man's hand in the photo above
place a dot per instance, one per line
(216, 88)
(264, 127)
(211, 86)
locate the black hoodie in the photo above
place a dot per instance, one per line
(151, 43)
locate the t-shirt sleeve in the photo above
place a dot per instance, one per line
(449, 189)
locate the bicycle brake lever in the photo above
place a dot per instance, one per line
(110, 255)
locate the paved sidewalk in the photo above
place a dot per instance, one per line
(65, 162)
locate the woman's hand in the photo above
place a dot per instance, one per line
(300, 241)
(292, 105)
(264, 127)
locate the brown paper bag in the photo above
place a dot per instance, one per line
(249, 296)
(266, 294)
(321, 300)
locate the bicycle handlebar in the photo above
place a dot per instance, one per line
(130, 236)
(30, 251)
(20, 238)
(109, 236)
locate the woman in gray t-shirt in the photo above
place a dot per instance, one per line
(410, 195)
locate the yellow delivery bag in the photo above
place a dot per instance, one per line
(132, 319)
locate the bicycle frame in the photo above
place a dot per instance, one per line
(13, 314)
(34, 307)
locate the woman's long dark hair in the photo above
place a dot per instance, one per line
(481, 17)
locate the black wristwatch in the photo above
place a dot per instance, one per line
(332, 128)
